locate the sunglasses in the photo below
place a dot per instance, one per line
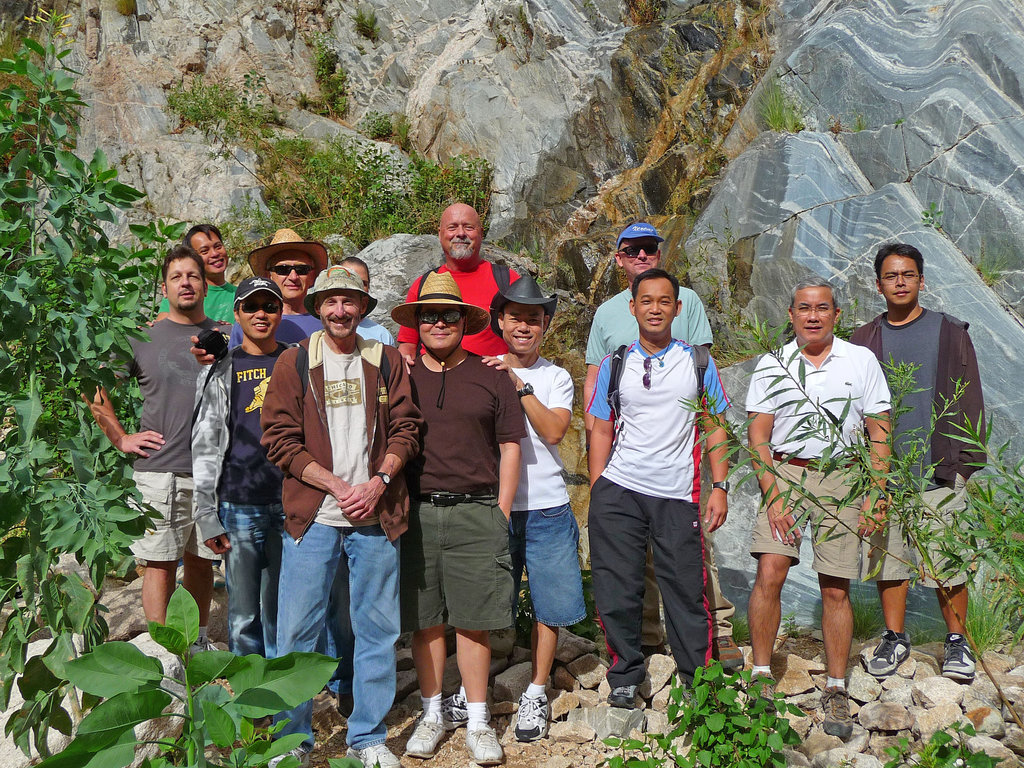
(450, 316)
(632, 251)
(286, 269)
(252, 307)
(647, 372)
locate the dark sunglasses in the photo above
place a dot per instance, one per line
(252, 307)
(633, 251)
(286, 269)
(450, 316)
(647, 372)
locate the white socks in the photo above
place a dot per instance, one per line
(766, 671)
(535, 691)
(478, 715)
(431, 708)
(836, 682)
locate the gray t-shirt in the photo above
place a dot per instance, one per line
(167, 373)
(916, 343)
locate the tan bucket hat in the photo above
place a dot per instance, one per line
(287, 240)
(441, 290)
(337, 279)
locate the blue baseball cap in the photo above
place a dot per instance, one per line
(636, 231)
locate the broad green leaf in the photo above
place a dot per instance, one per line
(169, 638)
(716, 722)
(219, 725)
(207, 666)
(113, 668)
(81, 755)
(294, 678)
(111, 718)
(29, 410)
(183, 614)
(344, 762)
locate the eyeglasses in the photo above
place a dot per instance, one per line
(252, 307)
(647, 372)
(633, 251)
(807, 309)
(286, 269)
(895, 277)
(450, 316)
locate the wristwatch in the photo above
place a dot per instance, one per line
(526, 390)
(385, 477)
(724, 485)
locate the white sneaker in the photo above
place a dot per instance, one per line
(200, 645)
(298, 752)
(425, 738)
(532, 718)
(377, 756)
(484, 747)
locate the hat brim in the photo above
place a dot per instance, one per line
(310, 300)
(240, 297)
(259, 257)
(498, 303)
(477, 318)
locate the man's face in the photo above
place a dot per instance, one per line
(259, 314)
(292, 284)
(900, 282)
(813, 315)
(522, 327)
(340, 313)
(436, 332)
(460, 233)
(211, 250)
(639, 255)
(359, 271)
(655, 306)
(184, 286)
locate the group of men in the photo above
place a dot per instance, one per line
(388, 490)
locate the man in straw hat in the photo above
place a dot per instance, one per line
(456, 566)
(543, 533)
(339, 420)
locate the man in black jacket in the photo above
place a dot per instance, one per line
(946, 383)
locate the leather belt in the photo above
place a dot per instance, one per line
(795, 461)
(445, 499)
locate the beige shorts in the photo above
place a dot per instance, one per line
(835, 539)
(891, 550)
(170, 494)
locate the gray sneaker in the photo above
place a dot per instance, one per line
(892, 650)
(835, 703)
(299, 753)
(454, 712)
(484, 747)
(377, 756)
(425, 738)
(532, 718)
(623, 696)
(958, 659)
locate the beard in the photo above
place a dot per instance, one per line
(461, 250)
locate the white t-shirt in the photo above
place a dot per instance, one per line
(848, 375)
(656, 445)
(344, 391)
(540, 481)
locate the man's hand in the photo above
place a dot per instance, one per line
(874, 517)
(501, 365)
(408, 352)
(139, 442)
(716, 510)
(202, 356)
(219, 544)
(360, 502)
(783, 524)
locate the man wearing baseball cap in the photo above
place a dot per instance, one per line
(340, 422)
(637, 249)
(238, 491)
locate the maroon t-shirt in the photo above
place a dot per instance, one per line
(463, 425)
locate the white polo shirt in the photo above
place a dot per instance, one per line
(849, 384)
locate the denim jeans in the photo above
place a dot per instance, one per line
(546, 542)
(252, 567)
(308, 568)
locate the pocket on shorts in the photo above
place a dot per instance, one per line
(555, 512)
(156, 489)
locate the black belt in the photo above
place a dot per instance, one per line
(445, 499)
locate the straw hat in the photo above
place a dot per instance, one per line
(337, 279)
(441, 290)
(287, 240)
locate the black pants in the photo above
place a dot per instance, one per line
(621, 522)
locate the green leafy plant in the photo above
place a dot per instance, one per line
(376, 126)
(991, 266)
(721, 720)
(945, 749)
(365, 20)
(932, 216)
(330, 76)
(776, 109)
(402, 126)
(133, 688)
(126, 7)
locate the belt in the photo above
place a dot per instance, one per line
(795, 461)
(445, 499)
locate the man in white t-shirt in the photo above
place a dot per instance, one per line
(808, 404)
(543, 534)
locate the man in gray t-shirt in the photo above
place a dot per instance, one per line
(167, 373)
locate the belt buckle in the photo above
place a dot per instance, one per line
(444, 499)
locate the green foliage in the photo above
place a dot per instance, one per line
(134, 689)
(223, 113)
(741, 629)
(776, 109)
(991, 266)
(365, 20)
(376, 126)
(125, 7)
(932, 216)
(330, 76)
(993, 616)
(727, 721)
(943, 750)
(72, 301)
(402, 126)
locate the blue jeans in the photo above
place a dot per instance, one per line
(546, 541)
(308, 569)
(252, 567)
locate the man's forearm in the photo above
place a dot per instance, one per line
(588, 392)
(102, 410)
(508, 475)
(318, 476)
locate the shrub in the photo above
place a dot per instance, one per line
(331, 78)
(402, 126)
(126, 7)
(643, 11)
(376, 126)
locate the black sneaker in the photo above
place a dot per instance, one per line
(892, 650)
(623, 697)
(835, 703)
(958, 663)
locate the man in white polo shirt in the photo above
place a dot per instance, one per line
(808, 404)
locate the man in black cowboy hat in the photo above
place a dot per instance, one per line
(543, 533)
(456, 567)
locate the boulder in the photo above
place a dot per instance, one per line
(933, 691)
(992, 748)
(571, 647)
(588, 670)
(884, 716)
(928, 721)
(862, 686)
(659, 669)
(563, 703)
(512, 683)
(846, 757)
(987, 721)
(571, 732)
(608, 721)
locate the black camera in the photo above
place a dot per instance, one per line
(213, 343)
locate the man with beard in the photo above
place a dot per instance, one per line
(461, 235)
(167, 373)
(339, 420)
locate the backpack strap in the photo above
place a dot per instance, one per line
(615, 368)
(302, 366)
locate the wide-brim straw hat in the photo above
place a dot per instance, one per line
(337, 279)
(441, 290)
(287, 240)
(525, 290)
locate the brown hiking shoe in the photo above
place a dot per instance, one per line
(835, 703)
(725, 650)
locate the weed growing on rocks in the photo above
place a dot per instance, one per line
(376, 126)
(943, 750)
(777, 111)
(331, 77)
(365, 20)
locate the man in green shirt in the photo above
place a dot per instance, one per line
(219, 304)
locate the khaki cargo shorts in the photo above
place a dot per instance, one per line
(171, 495)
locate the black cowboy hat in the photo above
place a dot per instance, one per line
(525, 290)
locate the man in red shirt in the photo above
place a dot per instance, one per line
(461, 235)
